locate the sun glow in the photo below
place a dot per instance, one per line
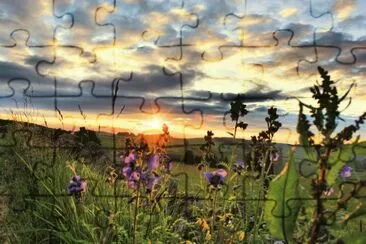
(155, 123)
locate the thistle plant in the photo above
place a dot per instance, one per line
(326, 155)
(325, 116)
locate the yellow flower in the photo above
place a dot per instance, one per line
(241, 235)
(203, 223)
(208, 236)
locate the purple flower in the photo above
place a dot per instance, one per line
(152, 182)
(128, 159)
(77, 185)
(135, 176)
(132, 184)
(126, 171)
(239, 166)
(133, 179)
(346, 172)
(328, 192)
(274, 156)
(153, 162)
(216, 178)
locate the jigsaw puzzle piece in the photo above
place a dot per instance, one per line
(345, 75)
(252, 68)
(16, 16)
(87, 29)
(148, 87)
(143, 26)
(69, 67)
(260, 19)
(19, 62)
(347, 35)
(174, 31)
(79, 109)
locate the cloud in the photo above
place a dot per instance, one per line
(288, 12)
(344, 8)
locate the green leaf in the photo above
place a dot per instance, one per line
(333, 173)
(354, 238)
(338, 159)
(360, 210)
(281, 209)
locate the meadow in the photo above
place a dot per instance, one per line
(95, 187)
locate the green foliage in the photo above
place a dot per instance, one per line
(353, 237)
(333, 173)
(331, 151)
(85, 136)
(282, 206)
(358, 211)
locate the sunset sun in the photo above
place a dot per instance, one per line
(155, 123)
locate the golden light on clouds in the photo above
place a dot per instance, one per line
(212, 58)
(344, 8)
(287, 12)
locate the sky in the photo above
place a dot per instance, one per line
(133, 65)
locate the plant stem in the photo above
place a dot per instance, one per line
(234, 147)
(213, 211)
(320, 183)
(136, 211)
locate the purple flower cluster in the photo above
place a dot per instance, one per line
(346, 172)
(148, 176)
(131, 171)
(77, 186)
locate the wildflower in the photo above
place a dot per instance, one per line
(132, 184)
(208, 236)
(203, 224)
(128, 159)
(241, 235)
(151, 183)
(216, 178)
(274, 156)
(239, 166)
(133, 180)
(153, 162)
(167, 162)
(328, 192)
(346, 172)
(77, 186)
(126, 171)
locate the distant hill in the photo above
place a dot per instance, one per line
(178, 148)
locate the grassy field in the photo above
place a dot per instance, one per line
(36, 207)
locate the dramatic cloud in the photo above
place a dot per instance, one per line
(181, 60)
